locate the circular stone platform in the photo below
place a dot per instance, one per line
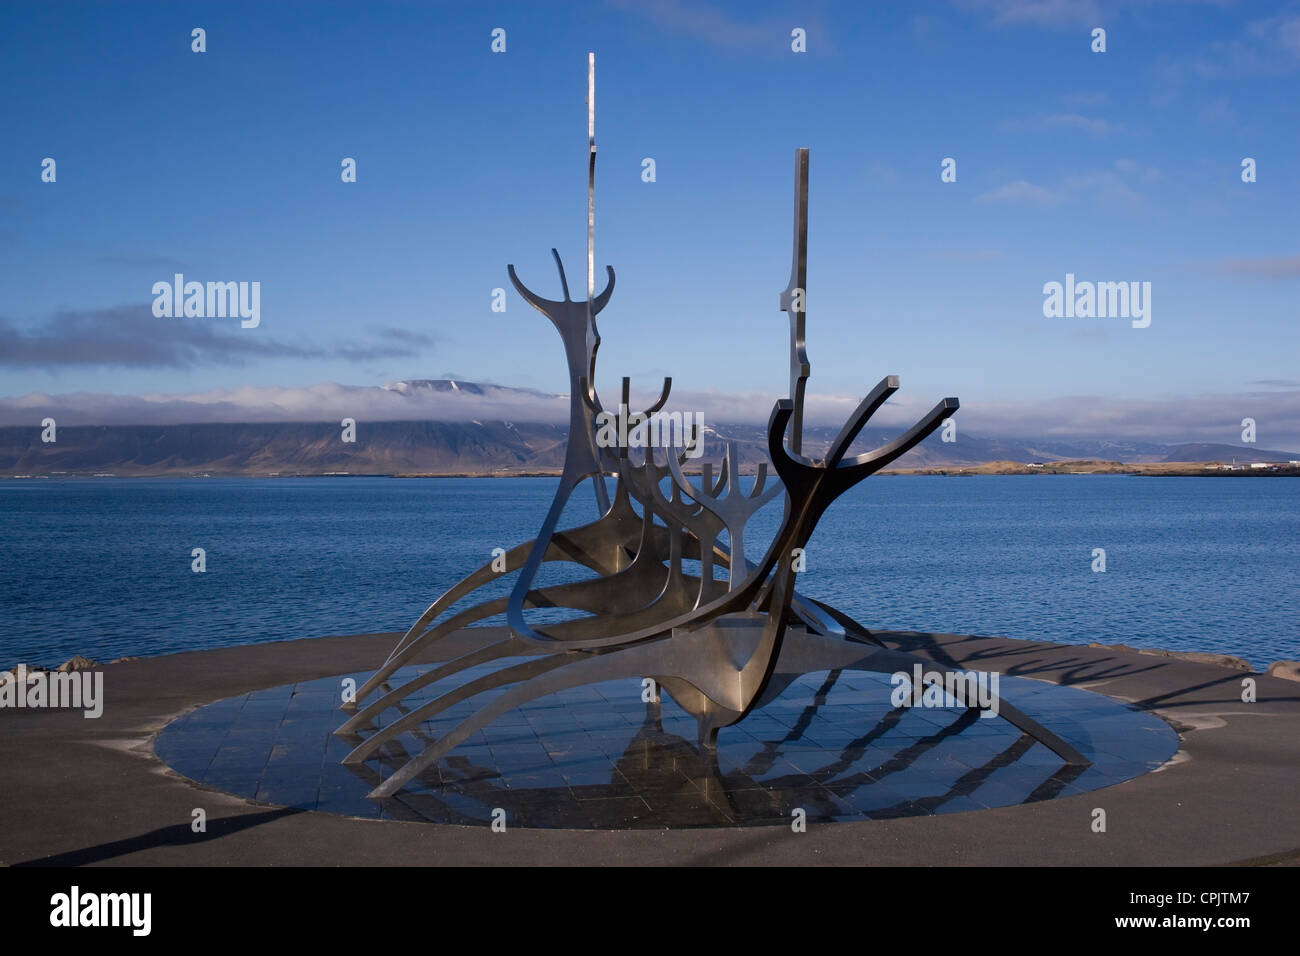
(598, 757)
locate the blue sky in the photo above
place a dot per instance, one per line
(1114, 166)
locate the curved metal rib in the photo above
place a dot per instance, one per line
(733, 509)
(506, 675)
(887, 454)
(550, 306)
(886, 387)
(718, 654)
(366, 716)
(596, 546)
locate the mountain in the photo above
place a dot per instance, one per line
(449, 448)
(1226, 453)
(430, 386)
(286, 448)
(486, 447)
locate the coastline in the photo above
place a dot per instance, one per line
(1163, 469)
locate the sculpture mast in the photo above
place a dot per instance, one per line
(591, 181)
(794, 300)
(602, 497)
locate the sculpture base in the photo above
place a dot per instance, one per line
(600, 757)
(94, 791)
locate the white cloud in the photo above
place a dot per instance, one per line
(715, 26)
(1208, 418)
(313, 403)
(1218, 112)
(1260, 267)
(1175, 419)
(1047, 13)
(1134, 170)
(883, 173)
(1113, 186)
(1103, 186)
(1282, 30)
(1086, 98)
(1020, 192)
(1053, 122)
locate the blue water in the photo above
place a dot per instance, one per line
(102, 567)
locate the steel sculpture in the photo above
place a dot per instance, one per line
(720, 648)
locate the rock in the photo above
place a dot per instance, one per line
(123, 660)
(78, 663)
(1287, 670)
(1196, 657)
(1201, 657)
(29, 672)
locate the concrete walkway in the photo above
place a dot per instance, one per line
(78, 791)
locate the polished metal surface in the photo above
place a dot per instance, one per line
(719, 649)
(797, 309)
(601, 757)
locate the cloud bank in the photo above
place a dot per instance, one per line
(1195, 418)
(130, 336)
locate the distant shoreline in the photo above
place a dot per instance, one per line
(1136, 469)
(1162, 469)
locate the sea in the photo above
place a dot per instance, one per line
(107, 567)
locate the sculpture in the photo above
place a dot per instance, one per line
(719, 648)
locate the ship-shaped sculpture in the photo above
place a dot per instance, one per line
(720, 648)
